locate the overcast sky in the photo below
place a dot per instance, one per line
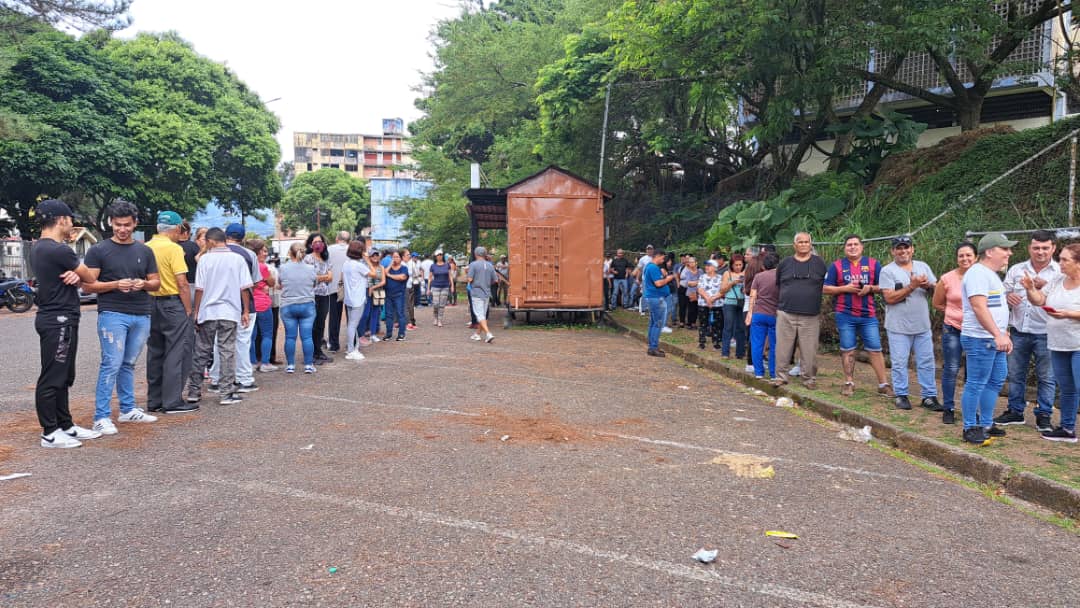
(337, 65)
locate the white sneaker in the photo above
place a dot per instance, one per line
(354, 355)
(376, 339)
(795, 371)
(59, 439)
(136, 415)
(489, 338)
(266, 368)
(665, 330)
(309, 369)
(105, 426)
(80, 433)
(749, 369)
(475, 337)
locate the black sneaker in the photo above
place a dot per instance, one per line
(902, 403)
(183, 408)
(248, 388)
(995, 431)
(948, 417)
(230, 399)
(701, 346)
(1042, 422)
(192, 396)
(214, 386)
(155, 408)
(652, 352)
(1009, 417)
(975, 434)
(1060, 434)
(932, 404)
(400, 339)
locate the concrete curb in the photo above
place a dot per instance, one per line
(1022, 484)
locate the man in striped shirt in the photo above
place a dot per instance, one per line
(853, 280)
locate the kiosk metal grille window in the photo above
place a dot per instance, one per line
(543, 249)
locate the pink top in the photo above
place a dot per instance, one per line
(954, 301)
(261, 291)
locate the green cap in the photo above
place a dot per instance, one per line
(994, 239)
(171, 218)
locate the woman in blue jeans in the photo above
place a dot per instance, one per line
(734, 320)
(397, 280)
(949, 300)
(761, 315)
(1061, 300)
(298, 307)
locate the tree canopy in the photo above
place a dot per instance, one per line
(326, 199)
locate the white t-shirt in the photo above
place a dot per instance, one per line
(221, 275)
(355, 282)
(337, 261)
(981, 281)
(425, 267)
(642, 262)
(1062, 334)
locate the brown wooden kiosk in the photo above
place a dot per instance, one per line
(554, 222)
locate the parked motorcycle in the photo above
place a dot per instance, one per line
(17, 295)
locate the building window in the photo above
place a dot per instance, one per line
(337, 152)
(309, 166)
(350, 168)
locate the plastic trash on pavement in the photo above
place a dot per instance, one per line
(781, 534)
(785, 402)
(705, 556)
(850, 433)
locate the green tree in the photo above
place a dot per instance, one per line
(326, 200)
(80, 14)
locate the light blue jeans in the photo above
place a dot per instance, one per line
(900, 347)
(672, 309)
(658, 312)
(1026, 346)
(986, 370)
(951, 352)
(298, 320)
(122, 338)
(1067, 371)
(620, 292)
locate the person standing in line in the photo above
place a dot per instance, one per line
(620, 270)
(124, 272)
(905, 284)
(337, 258)
(272, 264)
(191, 249)
(264, 321)
(425, 273)
(376, 296)
(681, 301)
(58, 272)
(761, 315)
(1061, 297)
(751, 266)
(949, 301)
(453, 280)
(609, 276)
(481, 274)
(397, 286)
(222, 304)
(1027, 329)
(319, 258)
(412, 266)
(710, 303)
(298, 281)
(852, 281)
(355, 275)
(501, 286)
(439, 280)
(984, 337)
(734, 300)
(688, 281)
(245, 371)
(800, 280)
(168, 350)
(639, 270)
(673, 294)
(655, 280)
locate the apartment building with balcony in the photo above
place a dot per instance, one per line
(385, 155)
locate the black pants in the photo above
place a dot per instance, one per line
(334, 341)
(691, 310)
(322, 307)
(712, 325)
(168, 353)
(59, 342)
(683, 303)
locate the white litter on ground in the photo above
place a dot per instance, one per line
(850, 433)
(706, 557)
(13, 476)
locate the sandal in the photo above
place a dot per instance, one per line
(848, 390)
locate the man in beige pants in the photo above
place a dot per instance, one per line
(801, 278)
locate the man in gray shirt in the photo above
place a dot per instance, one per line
(905, 284)
(481, 276)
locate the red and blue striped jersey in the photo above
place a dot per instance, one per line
(867, 272)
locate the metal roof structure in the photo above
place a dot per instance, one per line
(487, 206)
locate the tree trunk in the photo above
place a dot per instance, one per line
(969, 114)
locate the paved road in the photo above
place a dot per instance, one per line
(393, 471)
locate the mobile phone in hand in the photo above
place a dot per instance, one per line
(1049, 309)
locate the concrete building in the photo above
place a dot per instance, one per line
(386, 155)
(386, 226)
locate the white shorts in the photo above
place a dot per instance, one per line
(480, 308)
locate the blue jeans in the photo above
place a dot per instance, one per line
(299, 319)
(951, 351)
(850, 328)
(900, 346)
(122, 338)
(734, 327)
(763, 327)
(986, 371)
(1025, 346)
(395, 313)
(1067, 373)
(264, 325)
(658, 312)
(672, 309)
(620, 292)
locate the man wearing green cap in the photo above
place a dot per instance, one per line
(985, 337)
(168, 349)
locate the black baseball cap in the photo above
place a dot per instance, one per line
(902, 240)
(51, 208)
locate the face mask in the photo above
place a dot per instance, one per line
(317, 247)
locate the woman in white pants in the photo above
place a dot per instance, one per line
(354, 277)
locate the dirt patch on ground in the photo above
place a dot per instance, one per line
(494, 425)
(6, 452)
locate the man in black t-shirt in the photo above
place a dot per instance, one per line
(191, 249)
(58, 273)
(801, 279)
(620, 267)
(125, 272)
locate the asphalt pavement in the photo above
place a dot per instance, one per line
(553, 467)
